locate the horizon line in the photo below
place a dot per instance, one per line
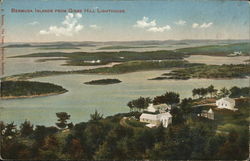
(130, 41)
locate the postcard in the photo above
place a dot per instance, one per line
(124, 79)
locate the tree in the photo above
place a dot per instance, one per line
(39, 134)
(96, 116)
(186, 106)
(231, 148)
(201, 92)
(10, 130)
(212, 146)
(140, 103)
(172, 98)
(76, 149)
(224, 92)
(195, 92)
(169, 98)
(26, 128)
(130, 105)
(204, 92)
(62, 118)
(2, 128)
(211, 90)
(51, 142)
(177, 115)
(159, 100)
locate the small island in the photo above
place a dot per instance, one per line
(103, 82)
(28, 89)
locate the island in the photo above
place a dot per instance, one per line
(28, 89)
(208, 72)
(126, 67)
(103, 82)
(131, 61)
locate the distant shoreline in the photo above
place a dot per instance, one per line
(31, 96)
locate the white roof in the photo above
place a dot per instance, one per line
(164, 115)
(149, 116)
(151, 108)
(151, 125)
(155, 116)
(210, 111)
(161, 106)
(227, 100)
(154, 108)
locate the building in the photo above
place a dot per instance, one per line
(226, 103)
(207, 114)
(161, 108)
(155, 120)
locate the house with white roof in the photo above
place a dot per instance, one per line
(155, 120)
(156, 115)
(226, 103)
(160, 108)
(207, 114)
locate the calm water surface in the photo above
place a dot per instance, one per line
(82, 100)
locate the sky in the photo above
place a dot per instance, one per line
(141, 20)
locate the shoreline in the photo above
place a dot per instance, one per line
(31, 96)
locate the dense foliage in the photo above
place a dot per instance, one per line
(139, 104)
(126, 67)
(218, 50)
(103, 81)
(211, 71)
(63, 117)
(28, 88)
(233, 92)
(83, 58)
(133, 66)
(239, 92)
(168, 98)
(123, 137)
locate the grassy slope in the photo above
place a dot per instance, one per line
(227, 120)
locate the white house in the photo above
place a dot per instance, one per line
(207, 114)
(236, 53)
(161, 108)
(226, 103)
(155, 120)
(157, 115)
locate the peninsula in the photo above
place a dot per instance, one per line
(28, 89)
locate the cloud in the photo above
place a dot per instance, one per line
(206, 25)
(159, 29)
(70, 26)
(34, 23)
(151, 26)
(180, 22)
(202, 26)
(195, 25)
(144, 23)
(94, 27)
